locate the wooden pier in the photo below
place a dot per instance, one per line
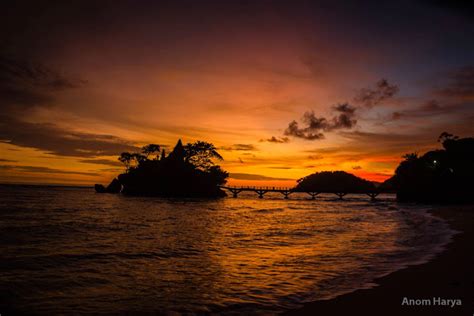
(261, 191)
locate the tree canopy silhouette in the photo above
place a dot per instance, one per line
(186, 171)
(334, 181)
(444, 175)
(150, 150)
(201, 154)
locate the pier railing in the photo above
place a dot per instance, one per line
(261, 191)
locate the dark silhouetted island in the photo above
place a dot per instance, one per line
(334, 181)
(439, 176)
(188, 171)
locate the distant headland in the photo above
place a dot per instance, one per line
(334, 181)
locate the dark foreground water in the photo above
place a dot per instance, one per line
(70, 250)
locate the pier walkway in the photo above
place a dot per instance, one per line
(261, 191)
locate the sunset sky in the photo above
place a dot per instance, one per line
(282, 88)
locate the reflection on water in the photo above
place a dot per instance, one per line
(70, 250)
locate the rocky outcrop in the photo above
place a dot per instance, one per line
(114, 187)
(99, 188)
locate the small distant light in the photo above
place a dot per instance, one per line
(435, 162)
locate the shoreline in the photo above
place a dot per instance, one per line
(449, 275)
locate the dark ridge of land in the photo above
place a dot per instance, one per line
(450, 275)
(334, 181)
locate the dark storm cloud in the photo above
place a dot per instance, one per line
(274, 139)
(37, 169)
(460, 85)
(313, 126)
(55, 140)
(370, 97)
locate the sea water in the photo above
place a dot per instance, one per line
(70, 250)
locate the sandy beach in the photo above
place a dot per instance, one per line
(433, 288)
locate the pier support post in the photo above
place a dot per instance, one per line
(340, 195)
(373, 195)
(313, 195)
(235, 192)
(261, 193)
(286, 193)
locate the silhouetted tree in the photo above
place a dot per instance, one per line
(446, 137)
(445, 175)
(218, 175)
(410, 157)
(126, 159)
(150, 150)
(200, 154)
(187, 171)
(138, 159)
(131, 160)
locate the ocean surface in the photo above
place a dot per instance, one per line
(70, 250)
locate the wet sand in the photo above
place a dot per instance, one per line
(450, 275)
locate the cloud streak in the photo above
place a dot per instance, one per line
(37, 169)
(240, 147)
(24, 84)
(433, 108)
(106, 162)
(250, 176)
(58, 141)
(461, 84)
(278, 140)
(7, 160)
